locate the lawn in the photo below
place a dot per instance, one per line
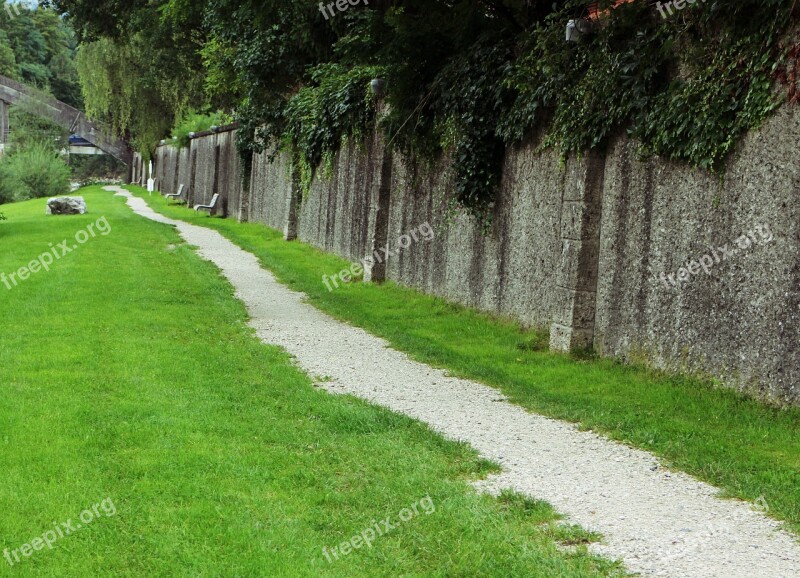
(748, 449)
(139, 406)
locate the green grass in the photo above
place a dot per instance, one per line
(129, 374)
(744, 447)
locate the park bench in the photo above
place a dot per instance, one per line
(210, 206)
(177, 195)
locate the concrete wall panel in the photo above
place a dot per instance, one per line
(577, 247)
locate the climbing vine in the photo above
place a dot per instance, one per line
(726, 87)
(336, 104)
(687, 87)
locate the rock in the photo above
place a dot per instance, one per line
(66, 206)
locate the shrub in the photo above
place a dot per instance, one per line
(8, 185)
(91, 168)
(35, 172)
(193, 122)
(31, 125)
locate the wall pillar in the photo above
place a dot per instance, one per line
(190, 196)
(247, 191)
(3, 122)
(222, 202)
(174, 163)
(292, 209)
(379, 204)
(576, 279)
(135, 169)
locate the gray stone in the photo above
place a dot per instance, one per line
(66, 206)
(566, 339)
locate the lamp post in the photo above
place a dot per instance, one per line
(577, 29)
(378, 87)
(151, 182)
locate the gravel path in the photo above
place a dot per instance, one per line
(660, 523)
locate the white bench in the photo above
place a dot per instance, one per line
(210, 206)
(177, 195)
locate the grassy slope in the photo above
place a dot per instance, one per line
(738, 444)
(128, 373)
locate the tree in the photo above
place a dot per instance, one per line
(37, 47)
(139, 77)
(470, 77)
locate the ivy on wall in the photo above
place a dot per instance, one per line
(686, 87)
(336, 104)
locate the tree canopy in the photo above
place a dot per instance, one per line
(469, 77)
(38, 47)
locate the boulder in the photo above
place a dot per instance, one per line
(66, 206)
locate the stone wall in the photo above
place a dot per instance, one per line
(137, 169)
(741, 321)
(209, 166)
(271, 190)
(511, 269)
(577, 249)
(335, 213)
(230, 185)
